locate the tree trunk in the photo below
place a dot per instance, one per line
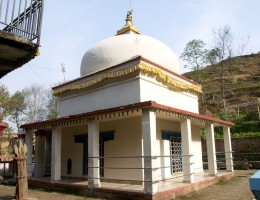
(223, 89)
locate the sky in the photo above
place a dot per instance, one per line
(71, 27)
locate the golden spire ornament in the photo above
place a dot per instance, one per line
(129, 27)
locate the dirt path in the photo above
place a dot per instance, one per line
(7, 193)
(235, 189)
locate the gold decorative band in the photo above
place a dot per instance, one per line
(127, 28)
(140, 68)
(169, 81)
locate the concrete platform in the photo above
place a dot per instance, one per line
(167, 189)
(15, 51)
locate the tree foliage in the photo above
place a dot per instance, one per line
(197, 56)
(52, 106)
(5, 101)
(194, 54)
(16, 114)
(38, 100)
(212, 56)
(32, 104)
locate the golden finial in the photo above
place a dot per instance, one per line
(129, 24)
(129, 18)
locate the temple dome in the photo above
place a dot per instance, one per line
(126, 45)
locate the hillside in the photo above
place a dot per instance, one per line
(242, 85)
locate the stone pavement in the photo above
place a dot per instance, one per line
(236, 188)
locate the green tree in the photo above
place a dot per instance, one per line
(213, 56)
(5, 101)
(17, 113)
(52, 106)
(194, 54)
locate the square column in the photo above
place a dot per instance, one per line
(211, 150)
(228, 149)
(187, 160)
(39, 156)
(29, 143)
(56, 154)
(93, 154)
(149, 150)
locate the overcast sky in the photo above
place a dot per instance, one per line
(71, 27)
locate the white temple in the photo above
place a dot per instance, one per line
(130, 118)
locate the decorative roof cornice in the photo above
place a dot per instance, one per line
(121, 111)
(136, 59)
(140, 68)
(172, 83)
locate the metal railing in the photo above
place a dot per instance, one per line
(220, 159)
(22, 18)
(173, 176)
(126, 168)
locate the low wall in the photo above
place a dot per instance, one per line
(246, 151)
(239, 145)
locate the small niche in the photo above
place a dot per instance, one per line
(69, 166)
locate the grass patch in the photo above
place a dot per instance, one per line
(239, 135)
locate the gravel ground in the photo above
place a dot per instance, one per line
(236, 188)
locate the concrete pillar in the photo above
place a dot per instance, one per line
(93, 151)
(29, 143)
(149, 150)
(187, 157)
(39, 156)
(56, 154)
(228, 149)
(211, 150)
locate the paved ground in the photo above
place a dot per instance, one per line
(235, 189)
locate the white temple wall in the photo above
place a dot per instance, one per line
(72, 150)
(127, 92)
(127, 142)
(152, 90)
(113, 95)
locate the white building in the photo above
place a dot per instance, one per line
(129, 119)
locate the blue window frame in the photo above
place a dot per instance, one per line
(103, 137)
(174, 139)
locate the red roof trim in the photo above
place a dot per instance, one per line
(3, 125)
(128, 61)
(141, 105)
(184, 112)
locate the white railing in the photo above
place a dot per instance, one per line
(22, 17)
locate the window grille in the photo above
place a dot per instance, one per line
(176, 158)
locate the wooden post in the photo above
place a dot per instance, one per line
(22, 183)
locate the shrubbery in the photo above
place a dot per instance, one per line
(246, 125)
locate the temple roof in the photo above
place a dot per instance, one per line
(125, 110)
(125, 45)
